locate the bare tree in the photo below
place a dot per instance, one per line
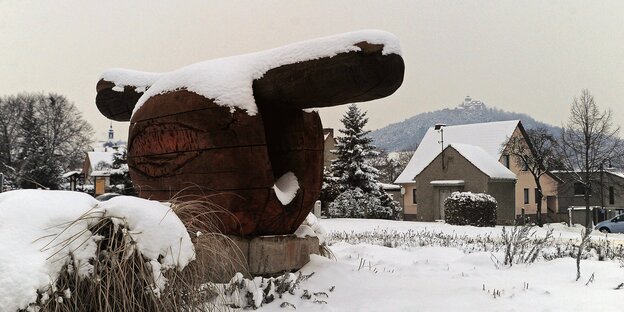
(11, 111)
(52, 137)
(589, 141)
(537, 156)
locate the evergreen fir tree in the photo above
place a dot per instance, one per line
(355, 178)
(353, 150)
(329, 190)
(121, 175)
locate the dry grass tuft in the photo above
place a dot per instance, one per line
(122, 280)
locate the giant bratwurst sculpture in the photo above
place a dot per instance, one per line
(239, 131)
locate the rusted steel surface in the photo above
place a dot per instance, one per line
(345, 78)
(351, 77)
(196, 147)
(182, 145)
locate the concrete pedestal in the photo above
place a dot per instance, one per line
(266, 256)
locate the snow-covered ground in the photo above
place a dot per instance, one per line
(367, 277)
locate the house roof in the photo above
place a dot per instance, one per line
(484, 161)
(97, 157)
(489, 136)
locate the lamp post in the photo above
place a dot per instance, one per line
(440, 128)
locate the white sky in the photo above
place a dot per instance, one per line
(523, 56)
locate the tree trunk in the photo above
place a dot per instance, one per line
(539, 202)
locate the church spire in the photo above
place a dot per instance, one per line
(111, 132)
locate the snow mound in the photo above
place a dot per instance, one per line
(40, 229)
(286, 188)
(311, 226)
(228, 81)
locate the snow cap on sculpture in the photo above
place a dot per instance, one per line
(233, 127)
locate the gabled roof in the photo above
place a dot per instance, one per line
(97, 157)
(489, 136)
(484, 161)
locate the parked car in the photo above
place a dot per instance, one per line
(615, 225)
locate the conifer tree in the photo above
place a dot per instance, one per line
(355, 178)
(353, 150)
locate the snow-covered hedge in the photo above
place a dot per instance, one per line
(466, 208)
(358, 204)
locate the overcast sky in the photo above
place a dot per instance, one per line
(524, 56)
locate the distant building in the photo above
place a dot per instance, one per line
(97, 166)
(606, 195)
(469, 103)
(472, 158)
(97, 170)
(110, 143)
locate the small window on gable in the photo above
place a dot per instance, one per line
(524, 166)
(611, 195)
(414, 196)
(579, 188)
(526, 196)
(506, 160)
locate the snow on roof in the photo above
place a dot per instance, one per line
(484, 161)
(229, 80)
(389, 187)
(489, 136)
(70, 173)
(98, 157)
(447, 182)
(100, 173)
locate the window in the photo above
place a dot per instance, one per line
(526, 196)
(537, 195)
(506, 160)
(579, 188)
(414, 196)
(525, 167)
(611, 195)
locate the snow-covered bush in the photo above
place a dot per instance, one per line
(354, 204)
(521, 245)
(66, 251)
(523, 248)
(466, 208)
(241, 292)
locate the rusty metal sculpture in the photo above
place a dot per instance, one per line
(182, 143)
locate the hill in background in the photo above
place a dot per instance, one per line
(407, 134)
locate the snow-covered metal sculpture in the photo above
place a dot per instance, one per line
(239, 131)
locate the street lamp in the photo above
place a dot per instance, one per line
(440, 128)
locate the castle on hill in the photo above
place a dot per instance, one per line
(469, 103)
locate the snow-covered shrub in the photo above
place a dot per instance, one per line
(66, 251)
(241, 292)
(466, 208)
(521, 245)
(354, 204)
(358, 204)
(529, 248)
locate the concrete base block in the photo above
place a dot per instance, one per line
(275, 255)
(266, 256)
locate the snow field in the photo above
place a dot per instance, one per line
(369, 277)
